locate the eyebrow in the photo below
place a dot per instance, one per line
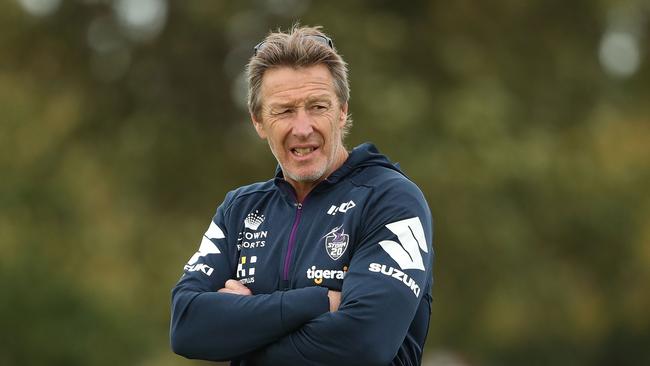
(319, 97)
(279, 105)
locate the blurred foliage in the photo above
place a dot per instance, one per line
(117, 141)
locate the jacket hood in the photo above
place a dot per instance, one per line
(362, 156)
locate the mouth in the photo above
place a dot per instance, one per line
(303, 151)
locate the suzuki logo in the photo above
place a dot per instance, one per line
(343, 207)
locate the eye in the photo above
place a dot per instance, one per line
(319, 107)
(281, 112)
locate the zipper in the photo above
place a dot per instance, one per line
(292, 243)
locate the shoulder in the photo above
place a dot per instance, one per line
(387, 184)
(252, 191)
(393, 197)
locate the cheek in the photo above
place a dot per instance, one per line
(276, 138)
(336, 125)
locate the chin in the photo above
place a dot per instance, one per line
(305, 176)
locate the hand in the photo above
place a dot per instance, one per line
(235, 287)
(335, 300)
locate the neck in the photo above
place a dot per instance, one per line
(303, 188)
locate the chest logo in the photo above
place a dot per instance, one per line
(246, 269)
(336, 242)
(251, 237)
(343, 208)
(253, 220)
(318, 274)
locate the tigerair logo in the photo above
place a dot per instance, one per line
(246, 269)
(318, 275)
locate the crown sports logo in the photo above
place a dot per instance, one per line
(253, 220)
(251, 237)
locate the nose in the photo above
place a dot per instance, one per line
(302, 124)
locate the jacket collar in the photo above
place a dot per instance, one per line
(363, 155)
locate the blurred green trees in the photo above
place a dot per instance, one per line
(525, 124)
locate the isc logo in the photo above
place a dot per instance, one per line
(343, 207)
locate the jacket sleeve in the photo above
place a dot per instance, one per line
(388, 276)
(209, 325)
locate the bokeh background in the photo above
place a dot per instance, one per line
(525, 123)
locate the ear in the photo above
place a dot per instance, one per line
(258, 127)
(343, 119)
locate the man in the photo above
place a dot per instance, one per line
(329, 263)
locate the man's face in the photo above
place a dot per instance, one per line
(302, 119)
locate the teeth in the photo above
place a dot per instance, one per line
(303, 150)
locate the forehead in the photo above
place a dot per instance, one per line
(288, 84)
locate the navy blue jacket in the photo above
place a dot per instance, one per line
(365, 231)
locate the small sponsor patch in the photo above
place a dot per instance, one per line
(246, 269)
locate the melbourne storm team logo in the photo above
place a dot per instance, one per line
(336, 242)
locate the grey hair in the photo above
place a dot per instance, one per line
(296, 48)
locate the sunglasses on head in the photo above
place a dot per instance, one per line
(318, 38)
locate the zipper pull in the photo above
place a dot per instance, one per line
(298, 205)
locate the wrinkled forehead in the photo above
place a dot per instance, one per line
(288, 84)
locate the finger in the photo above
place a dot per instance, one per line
(237, 287)
(335, 299)
(228, 291)
(234, 292)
